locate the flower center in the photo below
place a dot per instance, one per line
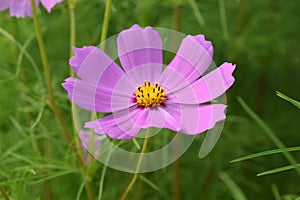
(150, 95)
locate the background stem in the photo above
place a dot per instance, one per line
(131, 184)
(45, 62)
(105, 22)
(5, 196)
(52, 101)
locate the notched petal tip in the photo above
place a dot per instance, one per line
(227, 70)
(79, 55)
(204, 43)
(68, 85)
(135, 26)
(50, 4)
(111, 133)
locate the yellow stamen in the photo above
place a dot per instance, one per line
(150, 95)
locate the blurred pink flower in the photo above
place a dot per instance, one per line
(143, 94)
(22, 8)
(89, 145)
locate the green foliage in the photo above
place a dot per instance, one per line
(261, 37)
(296, 103)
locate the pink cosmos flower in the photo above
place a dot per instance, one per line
(142, 94)
(93, 146)
(22, 8)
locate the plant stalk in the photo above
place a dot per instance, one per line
(105, 22)
(52, 101)
(131, 184)
(4, 194)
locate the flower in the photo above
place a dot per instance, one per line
(22, 8)
(90, 143)
(143, 95)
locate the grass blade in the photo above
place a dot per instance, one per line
(80, 190)
(135, 142)
(292, 101)
(148, 182)
(269, 133)
(275, 192)
(236, 192)
(223, 19)
(22, 51)
(280, 169)
(197, 12)
(265, 153)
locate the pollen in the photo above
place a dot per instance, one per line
(150, 94)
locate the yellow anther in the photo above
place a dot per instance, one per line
(150, 94)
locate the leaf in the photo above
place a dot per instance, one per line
(197, 12)
(236, 192)
(292, 101)
(135, 142)
(280, 169)
(269, 133)
(275, 192)
(148, 182)
(265, 153)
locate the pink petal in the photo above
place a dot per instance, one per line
(207, 88)
(4, 4)
(185, 118)
(199, 118)
(49, 4)
(99, 99)
(168, 116)
(94, 66)
(91, 143)
(191, 61)
(21, 8)
(139, 47)
(121, 125)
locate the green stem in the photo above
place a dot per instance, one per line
(101, 185)
(223, 19)
(176, 18)
(52, 101)
(47, 187)
(45, 62)
(5, 196)
(105, 21)
(241, 17)
(131, 184)
(72, 5)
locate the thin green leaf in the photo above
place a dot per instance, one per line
(236, 192)
(80, 190)
(197, 12)
(135, 142)
(265, 153)
(223, 19)
(269, 133)
(292, 101)
(39, 116)
(22, 49)
(280, 169)
(103, 173)
(148, 182)
(21, 157)
(55, 175)
(18, 126)
(275, 192)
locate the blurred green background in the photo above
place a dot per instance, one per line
(261, 37)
